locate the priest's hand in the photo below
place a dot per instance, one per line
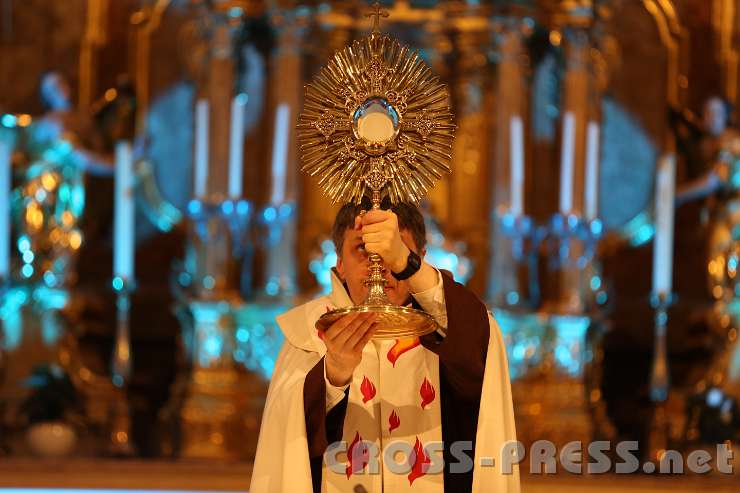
(344, 341)
(381, 235)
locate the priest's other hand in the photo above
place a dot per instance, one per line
(344, 341)
(381, 235)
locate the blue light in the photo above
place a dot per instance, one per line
(572, 221)
(327, 246)
(28, 256)
(213, 346)
(50, 279)
(23, 243)
(27, 270)
(242, 335)
(285, 210)
(194, 207)
(269, 214)
(209, 282)
(184, 279)
(227, 207)
(9, 120)
(595, 283)
(508, 220)
(714, 397)
(117, 283)
(512, 297)
(242, 207)
(272, 287)
(242, 98)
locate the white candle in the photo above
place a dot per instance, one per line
(123, 219)
(665, 188)
(591, 199)
(5, 183)
(201, 148)
(280, 154)
(567, 163)
(236, 146)
(516, 131)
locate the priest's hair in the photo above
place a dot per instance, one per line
(409, 218)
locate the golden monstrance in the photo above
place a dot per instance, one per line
(377, 122)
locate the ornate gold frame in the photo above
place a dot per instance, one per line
(402, 165)
(348, 167)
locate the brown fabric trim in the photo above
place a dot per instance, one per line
(322, 428)
(462, 353)
(314, 407)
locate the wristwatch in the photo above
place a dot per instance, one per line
(413, 264)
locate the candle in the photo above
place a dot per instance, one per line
(236, 146)
(5, 179)
(201, 148)
(665, 188)
(123, 219)
(280, 154)
(567, 159)
(592, 171)
(517, 165)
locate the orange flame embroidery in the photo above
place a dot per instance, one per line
(419, 462)
(368, 390)
(427, 393)
(358, 455)
(394, 421)
(400, 347)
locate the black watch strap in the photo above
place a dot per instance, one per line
(413, 264)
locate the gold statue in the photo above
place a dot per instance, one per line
(377, 122)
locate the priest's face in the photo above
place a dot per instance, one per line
(353, 263)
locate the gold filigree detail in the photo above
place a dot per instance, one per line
(409, 163)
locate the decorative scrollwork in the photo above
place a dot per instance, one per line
(407, 164)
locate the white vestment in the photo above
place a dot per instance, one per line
(393, 400)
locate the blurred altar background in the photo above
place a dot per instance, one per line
(153, 221)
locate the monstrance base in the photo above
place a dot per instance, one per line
(395, 321)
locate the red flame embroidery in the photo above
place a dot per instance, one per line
(427, 393)
(393, 421)
(419, 462)
(358, 455)
(400, 347)
(368, 390)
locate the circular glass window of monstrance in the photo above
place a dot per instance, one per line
(376, 121)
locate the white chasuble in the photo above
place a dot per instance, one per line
(392, 433)
(393, 414)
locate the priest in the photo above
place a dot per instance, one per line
(347, 413)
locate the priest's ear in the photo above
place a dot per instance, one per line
(340, 267)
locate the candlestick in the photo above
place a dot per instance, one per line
(592, 171)
(201, 148)
(567, 164)
(236, 146)
(280, 153)
(5, 184)
(517, 165)
(664, 209)
(123, 235)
